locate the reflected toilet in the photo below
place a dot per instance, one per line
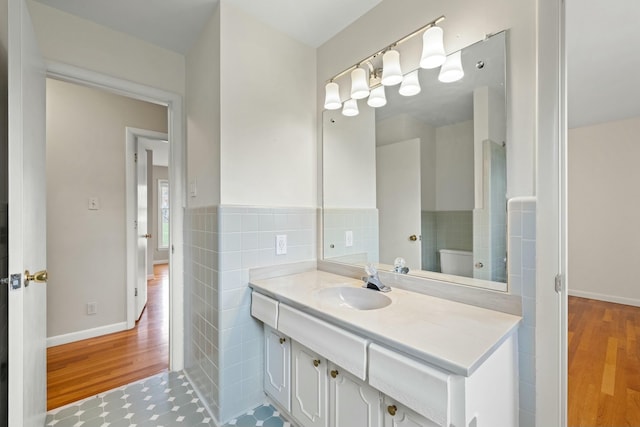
(459, 263)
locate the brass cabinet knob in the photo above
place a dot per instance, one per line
(413, 237)
(146, 236)
(392, 409)
(282, 340)
(316, 363)
(39, 277)
(334, 373)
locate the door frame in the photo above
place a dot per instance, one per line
(131, 145)
(177, 169)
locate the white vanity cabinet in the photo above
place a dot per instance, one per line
(349, 373)
(398, 415)
(352, 402)
(309, 387)
(277, 367)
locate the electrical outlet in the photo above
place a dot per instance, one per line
(92, 308)
(281, 244)
(348, 238)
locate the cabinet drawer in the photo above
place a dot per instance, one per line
(347, 350)
(265, 309)
(422, 388)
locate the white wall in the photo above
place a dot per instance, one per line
(349, 146)
(454, 167)
(203, 116)
(268, 115)
(85, 158)
(604, 231)
(72, 40)
(466, 22)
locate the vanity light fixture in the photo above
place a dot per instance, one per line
(451, 70)
(365, 82)
(433, 54)
(359, 83)
(410, 84)
(377, 97)
(332, 96)
(350, 108)
(391, 70)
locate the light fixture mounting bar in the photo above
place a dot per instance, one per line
(397, 42)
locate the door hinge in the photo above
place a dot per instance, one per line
(173, 249)
(135, 157)
(136, 293)
(559, 283)
(135, 224)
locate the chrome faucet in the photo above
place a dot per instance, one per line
(372, 280)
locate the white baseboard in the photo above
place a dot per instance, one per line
(602, 297)
(87, 333)
(160, 261)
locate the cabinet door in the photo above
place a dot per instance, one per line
(396, 415)
(277, 367)
(309, 388)
(352, 402)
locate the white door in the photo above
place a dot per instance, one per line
(143, 230)
(352, 402)
(277, 367)
(27, 221)
(399, 202)
(309, 387)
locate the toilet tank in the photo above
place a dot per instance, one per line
(453, 261)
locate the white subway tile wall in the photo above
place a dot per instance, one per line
(363, 223)
(522, 281)
(228, 371)
(202, 304)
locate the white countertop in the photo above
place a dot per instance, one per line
(453, 336)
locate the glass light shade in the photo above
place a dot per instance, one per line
(433, 54)
(350, 108)
(391, 71)
(451, 70)
(359, 84)
(377, 97)
(332, 96)
(410, 84)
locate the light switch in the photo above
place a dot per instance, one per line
(94, 203)
(193, 188)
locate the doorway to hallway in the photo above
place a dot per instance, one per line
(85, 368)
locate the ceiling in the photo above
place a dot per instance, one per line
(176, 24)
(603, 38)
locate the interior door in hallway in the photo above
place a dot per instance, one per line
(143, 230)
(27, 216)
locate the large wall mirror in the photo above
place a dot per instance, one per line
(423, 178)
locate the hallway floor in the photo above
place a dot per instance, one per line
(164, 400)
(604, 364)
(85, 368)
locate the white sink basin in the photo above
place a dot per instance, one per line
(356, 298)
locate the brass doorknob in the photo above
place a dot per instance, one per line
(146, 236)
(39, 277)
(392, 410)
(334, 373)
(316, 363)
(413, 237)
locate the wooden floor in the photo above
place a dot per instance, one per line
(604, 364)
(84, 368)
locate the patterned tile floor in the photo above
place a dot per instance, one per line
(164, 400)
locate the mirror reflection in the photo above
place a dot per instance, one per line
(423, 178)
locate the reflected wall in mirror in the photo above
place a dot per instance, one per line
(424, 177)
